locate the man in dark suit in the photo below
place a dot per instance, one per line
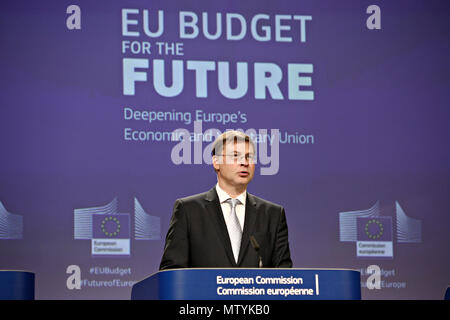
(213, 229)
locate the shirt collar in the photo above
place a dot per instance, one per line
(223, 196)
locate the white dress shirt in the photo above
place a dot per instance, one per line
(226, 208)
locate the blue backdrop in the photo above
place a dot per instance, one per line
(91, 90)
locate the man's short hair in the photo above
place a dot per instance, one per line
(230, 136)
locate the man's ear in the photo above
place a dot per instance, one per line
(215, 163)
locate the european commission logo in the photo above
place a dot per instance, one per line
(110, 231)
(373, 233)
(11, 225)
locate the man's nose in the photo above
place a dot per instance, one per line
(244, 162)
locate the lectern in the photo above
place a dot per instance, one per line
(252, 284)
(16, 285)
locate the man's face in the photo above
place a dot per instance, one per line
(235, 166)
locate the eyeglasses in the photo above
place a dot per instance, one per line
(239, 158)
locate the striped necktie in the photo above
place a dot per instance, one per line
(234, 228)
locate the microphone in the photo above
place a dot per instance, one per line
(255, 246)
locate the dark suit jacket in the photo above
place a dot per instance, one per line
(198, 236)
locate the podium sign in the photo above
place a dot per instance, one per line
(253, 284)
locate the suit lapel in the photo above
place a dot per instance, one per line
(249, 224)
(215, 212)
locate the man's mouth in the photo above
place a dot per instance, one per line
(243, 173)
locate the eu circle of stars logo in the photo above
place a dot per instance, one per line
(374, 235)
(114, 220)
